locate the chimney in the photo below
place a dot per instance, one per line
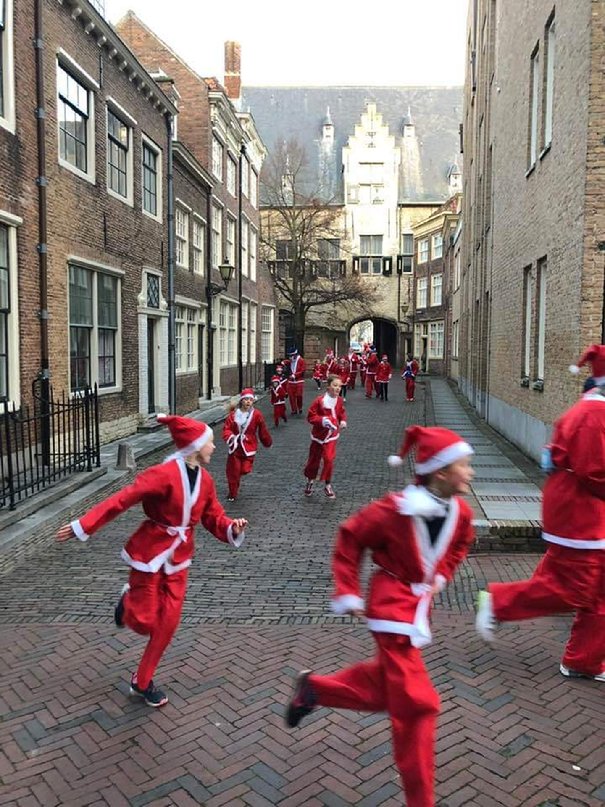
(233, 79)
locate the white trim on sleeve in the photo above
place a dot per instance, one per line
(78, 531)
(347, 602)
(572, 543)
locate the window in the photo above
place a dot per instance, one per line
(181, 228)
(421, 292)
(541, 317)
(534, 93)
(455, 339)
(227, 325)
(436, 289)
(217, 158)
(550, 43)
(437, 250)
(222, 333)
(435, 340)
(407, 244)
(244, 248)
(457, 269)
(245, 177)
(153, 290)
(230, 241)
(9, 326)
(266, 345)
(198, 244)
(75, 123)
(119, 136)
(245, 326)
(231, 174)
(152, 179)
(7, 84)
(253, 317)
(370, 262)
(423, 250)
(185, 338)
(217, 236)
(371, 194)
(93, 328)
(527, 318)
(179, 331)
(232, 334)
(253, 189)
(284, 250)
(253, 243)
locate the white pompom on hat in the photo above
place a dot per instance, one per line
(595, 356)
(434, 446)
(188, 435)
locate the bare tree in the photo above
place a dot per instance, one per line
(303, 242)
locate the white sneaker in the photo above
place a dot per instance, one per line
(569, 673)
(485, 621)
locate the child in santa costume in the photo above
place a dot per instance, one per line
(242, 429)
(278, 400)
(343, 371)
(354, 365)
(175, 496)
(371, 368)
(384, 373)
(327, 417)
(318, 373)
(417, 538)
(571, 575)
(296, 383)
(410, 371)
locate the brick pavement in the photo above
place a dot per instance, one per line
(512, 731)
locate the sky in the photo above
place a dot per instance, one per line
(326, 42)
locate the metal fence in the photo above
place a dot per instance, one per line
(45, 442)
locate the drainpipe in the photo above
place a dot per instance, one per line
(240, 358)
(209, 298)
(170, 217)
(42, 182)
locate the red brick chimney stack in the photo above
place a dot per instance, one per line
(233, 79)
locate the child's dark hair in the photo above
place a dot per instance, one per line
(333, 377)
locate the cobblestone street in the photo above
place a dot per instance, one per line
(512, 730)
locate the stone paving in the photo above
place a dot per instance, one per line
(512, 730)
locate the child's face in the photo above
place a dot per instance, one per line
(454, 479)
(246, 404)
(204, 455)
(333, 388)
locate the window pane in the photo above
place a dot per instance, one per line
(107, 299)
(107, 358)
(79, 339)
(80, 296)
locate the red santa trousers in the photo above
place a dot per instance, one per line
(370, 384)
(410, 388)
(564, 580)
(152, 607)
(317, 452)
(352, 378)
(279, 412)
(238, 465)
(397, 682)
(295, 394)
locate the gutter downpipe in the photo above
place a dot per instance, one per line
(171, 312)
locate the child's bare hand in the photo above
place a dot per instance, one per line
(238, 525)
(64, 533)
(358, 612)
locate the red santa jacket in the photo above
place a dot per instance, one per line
(279, 395)
(297, 370)
(573, 499)
(343, 372)
(411, 369)
(394, 530)
(240, 431)
(323, 411)
(372, 364)
(384, 371)
(172, 509)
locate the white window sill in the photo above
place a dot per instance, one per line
(124, 199)
(9, 124)
(73, 170)
(151, 216)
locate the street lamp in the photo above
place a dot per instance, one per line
(226, 272)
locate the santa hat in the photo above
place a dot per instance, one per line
(434, 446)
(275, 378)
(188, 435)
(384, 358)
(247, 393)
(595, 356)
(279, 369)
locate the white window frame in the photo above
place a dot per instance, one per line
(437, 246)
(245, 327)
(370, 254)
(455, 338)
(232, 325)
(147, 143)
(422, 285)
(222, 332)
(550, 40)
(217, 236)
(244, 248)
(534, 96)
(181, 235)
(126, 120)
(218, 152)
(253, 188)
(245, 177)
(118, 275)
(527, 320)
(253, 324)
(230, 239)
(231, 175)
(541, 315)
(436, 337)
(437, 289)
(253, 246)
(8, 113)
(198, 245)
(267, 315)
(13, 399)
(457, 269)
(423, 250)
(70, 66)
(186, 324)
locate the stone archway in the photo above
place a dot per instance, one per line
(383, 333)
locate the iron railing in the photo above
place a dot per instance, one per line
(43, 443)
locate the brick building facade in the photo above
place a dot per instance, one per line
(532, 263)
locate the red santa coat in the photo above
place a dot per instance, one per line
(372, 363)
(278, 395)
(297, 370)
(172, 509)
(343, 372)
(384, 372)
(319, 412)
(399, 595)
(573, 499)
(243, 434)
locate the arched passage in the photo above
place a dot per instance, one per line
(382, 333)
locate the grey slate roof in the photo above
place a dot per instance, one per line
(285, 113)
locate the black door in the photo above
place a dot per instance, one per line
(151, 364)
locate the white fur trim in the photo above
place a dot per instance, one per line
(78, 531)
(599, 380)
(161, 416)
(192, 447)
(416, 501)
(572, 543)
(444, 457)
(440, 582)
(347, 602)
(394, 460)
(574, 369)
(235, 540)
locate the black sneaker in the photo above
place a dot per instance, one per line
(152, 695)
(118, 612)
(302, 702)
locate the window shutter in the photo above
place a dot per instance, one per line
(387, 265)
(343, 268)
(271, 267)
(399, 264)
(355, 264)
